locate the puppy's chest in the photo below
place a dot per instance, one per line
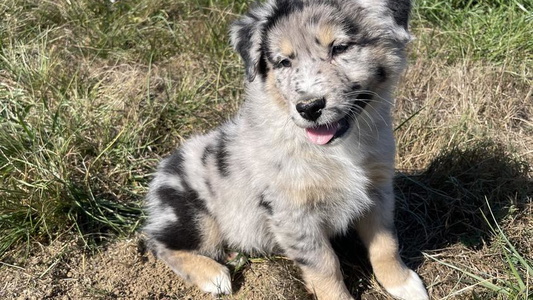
(313, 179)
(330, 193)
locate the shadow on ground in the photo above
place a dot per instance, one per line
(447, 204)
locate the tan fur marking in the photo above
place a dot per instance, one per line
(325, 35)
(286, 48)
(388, 267)
(327, 282)
(211, 236)
(272, 89)
(318, 184)
(383, 253)
(379, 174)
(316, 189)
(309, 196)
(196, 269)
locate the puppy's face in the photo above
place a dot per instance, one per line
(325, 61)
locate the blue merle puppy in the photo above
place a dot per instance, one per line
(309, 155)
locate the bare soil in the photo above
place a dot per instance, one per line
(123, 270)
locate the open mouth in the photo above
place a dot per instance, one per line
(325, 134)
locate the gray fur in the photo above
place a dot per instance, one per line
(268, 188)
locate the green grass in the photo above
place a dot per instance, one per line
(493, 30)
(87, 96)
(93, 93)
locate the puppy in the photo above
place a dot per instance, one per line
(309, 154)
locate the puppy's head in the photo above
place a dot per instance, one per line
(325, 61)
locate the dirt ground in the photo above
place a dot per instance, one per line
(122, 271)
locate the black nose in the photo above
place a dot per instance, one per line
(311, 110)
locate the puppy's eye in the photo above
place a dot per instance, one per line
(285, 63)
(339, 49)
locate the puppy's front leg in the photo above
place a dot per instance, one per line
(307, 244)
(324, 278)
(377, 232)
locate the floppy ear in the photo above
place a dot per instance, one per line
(246, 34)
(401, 10)
(393, 15)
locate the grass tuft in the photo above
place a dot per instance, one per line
(512, 283)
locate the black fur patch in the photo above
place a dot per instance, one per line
(400, 11)
(364, 96)
(349, 26)
(174, 163)
(244, 45)
(366, 40)
(208, 151)
(265, 204)
(355, 87)
(381, 73)
(221, 156)
(363, 99)
(302, 261)
(184, 234)
(283, 9)
(262, 67)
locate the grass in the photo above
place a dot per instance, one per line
(515, 280)
(491, 30)
(93, 93)
(87, 97)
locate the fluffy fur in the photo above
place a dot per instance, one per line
(309, 155)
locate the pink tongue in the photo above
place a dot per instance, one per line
(321, 135)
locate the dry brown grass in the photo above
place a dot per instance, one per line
(459, 104)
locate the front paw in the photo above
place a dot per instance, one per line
(411, 289)
(215, 282)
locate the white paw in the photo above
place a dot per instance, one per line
(412, 289)
(219, 284)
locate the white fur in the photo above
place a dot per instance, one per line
(220, 284)
(412, 289)
(165, 216)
